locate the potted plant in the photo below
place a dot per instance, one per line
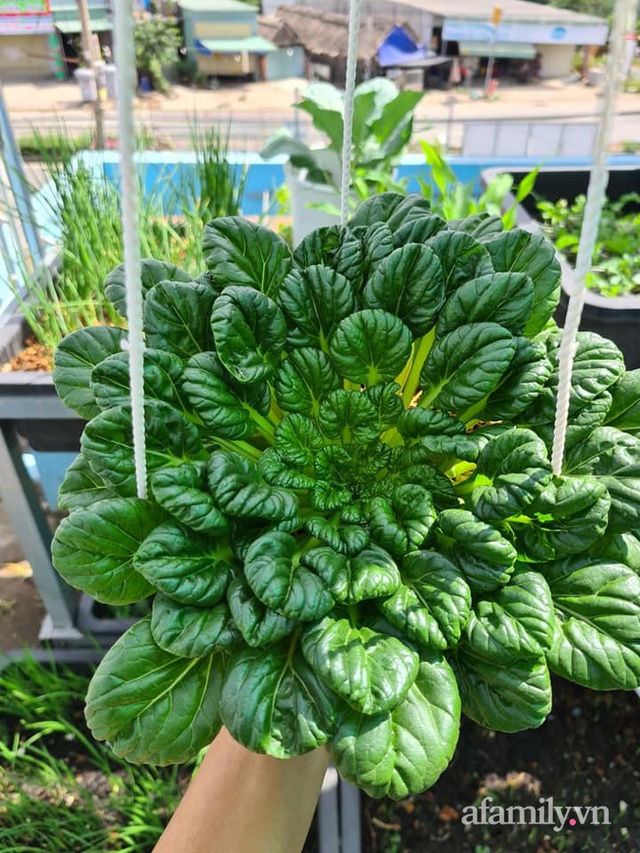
(382, 127)
(612, 304)
(353, 533)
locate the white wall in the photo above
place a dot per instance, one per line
(556, 59)
(26, 57)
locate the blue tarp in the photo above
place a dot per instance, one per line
(399, 48)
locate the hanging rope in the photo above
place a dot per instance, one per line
(598, 180)
(350, 85)
(125, 57)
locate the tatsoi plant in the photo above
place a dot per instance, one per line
(353, 533)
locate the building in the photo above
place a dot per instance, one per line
(28, 40)
(464, 28)
(66, 20)
(221, 37)
(289, 60)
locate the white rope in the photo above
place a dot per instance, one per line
(593, 209)
(125, 57)
(350, 85)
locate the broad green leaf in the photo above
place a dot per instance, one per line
(298, 440)
(624, 412)
(403, 752)
(401, 522)
(434, 603)
(74, 360)
(370, 346)
(325, 105)
(240, 253)
(409, 284)
(377, 244)
(619, 548)
(370, 671)
(462, 258)
(613, 457)
(314, 301)
(505, 698)
(182, 491)
(504, 298)
(334, 247)
(466, 365)
(515, 622)
(421, 423)
(485, 557)
(527, 375)
(418, 230)
(176, 317)
(347, 539)
(237, 490)
(388, 403)
(303, 379)
(250, 332)
(152, 272)
(482, 226)
(226, 415)
(93, 549)
(273, 572)
(534, 255)
(151, 706)
(107, 443)
(111, 386)
(273, 703)
(349, 416)
(82, 487)
(569, 516)
(276, 471)
(596, 641)
(370, 573)
(378, 208)
(186, 566)
(191, 632)
(512, 471)
(258, 625)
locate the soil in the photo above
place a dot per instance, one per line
(33, 356)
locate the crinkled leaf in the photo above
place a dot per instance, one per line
(273, 703)
(335, 247)
(298, 439)
(189, 567)
(162, 371)
(527, 375)
(258, 625)
(512, 471)
(402, 753)
(466, 365)
(176, 317)
(182, 491)
(151, 706)
(82, 487)
(484, 555)
(191, 632)
(613, 457)
(93, 549)
(152, 272)
(272, 571)
(418, 230)
(389, 406)
(377, 244)
(506, 698)
(370, 346)
(314, 301)
(303, 379)
(220, 409)
(348, 416)
(107, 443)
(75, 358)
(402, 522)
(370, 671)
(250, 332)
(273, 468)
(482, 226)
(504, 298)
(462, 258)
(534, 255)
(237, 490)
(378, 208)
(238, 252)
(409, 284)
(624, 412)
(371, 573)
(596, 641)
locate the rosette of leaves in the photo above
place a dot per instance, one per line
(353, 534)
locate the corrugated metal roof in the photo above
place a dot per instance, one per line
(216, 6)
(512, 10)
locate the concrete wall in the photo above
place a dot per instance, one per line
(34, 62)
(280, 65)
(556, 59)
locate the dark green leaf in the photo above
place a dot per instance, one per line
(240, 253)
(370, 346)
(462, 258)
(191, 568)
(333, 247)
(191, 632)
(348, 416)
(183, 492)
(304, 377)
(371, 573)
(237, 490)
(82, 487)
(220, 409)
(314, 301)
(152, 273)
(176, 317)
(402, 522)
(94, 548)
(528, 372)
(504, 298)
(298, 440)
(162, 371)
(258, 625)
(153, 707)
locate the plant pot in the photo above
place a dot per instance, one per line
(613, 317)
(307, 195)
